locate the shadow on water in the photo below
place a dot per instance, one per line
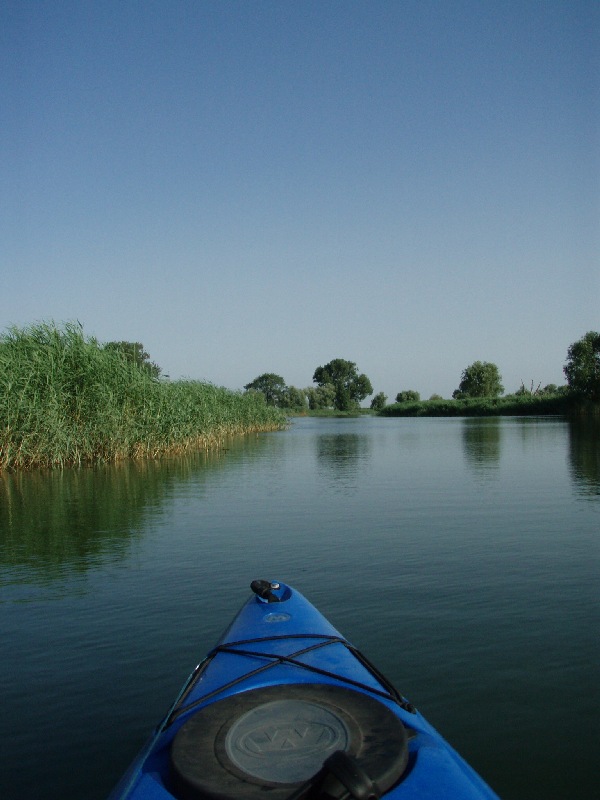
(584, 454)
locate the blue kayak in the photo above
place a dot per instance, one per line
(285, 708)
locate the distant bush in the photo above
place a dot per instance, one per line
(407, 395)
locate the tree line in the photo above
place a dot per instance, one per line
(340, 386)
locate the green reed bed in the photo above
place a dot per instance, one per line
(67, 399)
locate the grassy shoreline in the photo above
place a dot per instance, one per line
(65, 399)
(512, 405)
(560, 404)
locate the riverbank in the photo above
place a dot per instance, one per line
(66, 399)
(512, 405)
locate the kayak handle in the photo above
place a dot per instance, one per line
(266, 590)
(340, 778)
(344, 778)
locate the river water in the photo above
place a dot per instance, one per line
(461, 555)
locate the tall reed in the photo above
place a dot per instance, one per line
(67, 399)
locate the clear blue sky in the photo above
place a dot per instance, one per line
(262, 186)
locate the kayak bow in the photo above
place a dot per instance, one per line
(285, 708)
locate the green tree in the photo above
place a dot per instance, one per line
(583, 366)
(379, 401)
(408, 396)
(481, 379)
(272, 386)
(294, 399)
(134, 351)
(350, 387)
(552, 388)
(320, 396)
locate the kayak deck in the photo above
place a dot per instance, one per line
(290, 650)
(282, 694)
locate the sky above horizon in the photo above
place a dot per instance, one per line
(251, 187)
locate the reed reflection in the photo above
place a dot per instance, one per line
(72, 519)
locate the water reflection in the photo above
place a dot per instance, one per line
(341, 457)
(482, 442)
(74, 519)
(175, 543)
(584, 454)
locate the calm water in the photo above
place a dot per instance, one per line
(462, 556)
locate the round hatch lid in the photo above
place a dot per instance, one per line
(268, 742)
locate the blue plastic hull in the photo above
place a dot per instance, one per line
(293, 645)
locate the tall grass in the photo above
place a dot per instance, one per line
(67, 399)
